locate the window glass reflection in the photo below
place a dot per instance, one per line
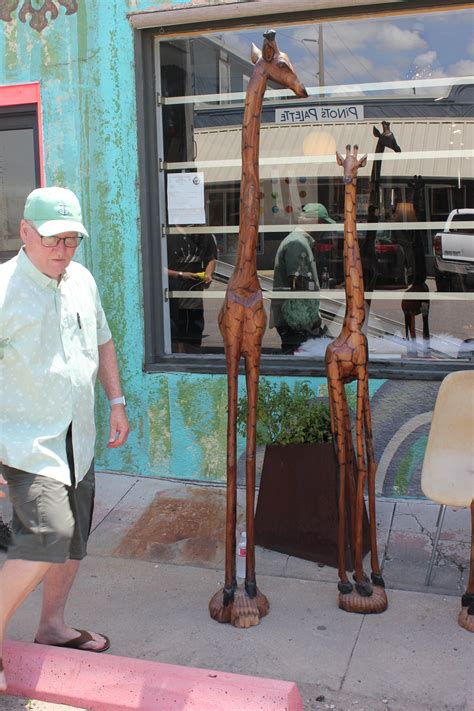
(404, 94)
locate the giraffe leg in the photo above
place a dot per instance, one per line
(252, 372)
(411, 332)
(365, 598)
(221, 604)
(426, 328)
(351, 477)
(250, 604)
(336, 402)
(379, 594)
(407, 326)
(372, 468)
(466, 616)
(363, 586)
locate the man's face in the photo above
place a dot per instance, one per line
(51, 261)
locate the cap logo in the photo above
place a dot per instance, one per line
(64, 210)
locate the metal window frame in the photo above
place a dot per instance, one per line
(22, 116)
(147, 27)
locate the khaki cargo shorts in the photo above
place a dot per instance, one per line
(51, 521)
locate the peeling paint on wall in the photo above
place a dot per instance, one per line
(203, 405)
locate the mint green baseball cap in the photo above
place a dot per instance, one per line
(317, 210)
(54, 210)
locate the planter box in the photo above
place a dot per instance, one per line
(297, 504)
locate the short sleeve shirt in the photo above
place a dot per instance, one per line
(49, 359)
(294, 257)
(189, 253)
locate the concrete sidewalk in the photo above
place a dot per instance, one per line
(156, 558)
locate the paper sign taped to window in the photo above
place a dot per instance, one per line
(186, 199)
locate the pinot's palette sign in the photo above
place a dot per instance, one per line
(320, 114)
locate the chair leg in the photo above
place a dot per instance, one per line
(439, 526)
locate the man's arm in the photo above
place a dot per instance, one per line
(110, 378)
(210, 269)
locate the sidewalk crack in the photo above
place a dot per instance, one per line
(285, 566)
(440, 555)
(351, 654)
(115, 506)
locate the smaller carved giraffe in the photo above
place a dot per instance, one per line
(242, 322)
(346, 360)
(386, 140)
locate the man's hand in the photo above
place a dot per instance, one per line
(119, 426)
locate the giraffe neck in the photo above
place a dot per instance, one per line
(245, 272)
(354, 284)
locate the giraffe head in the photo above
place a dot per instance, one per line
(276, 65)
(386, 138)
(351, 163)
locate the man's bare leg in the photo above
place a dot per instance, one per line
(18, 578)
(52, 628)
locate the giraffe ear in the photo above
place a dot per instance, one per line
(255, 53)
(363, 161)
(339, 158)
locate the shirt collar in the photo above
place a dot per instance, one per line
(29, 268)
(308, 236)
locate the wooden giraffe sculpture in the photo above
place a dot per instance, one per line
(346, 360)
(370, 266)
(242, 322)
(386, 140)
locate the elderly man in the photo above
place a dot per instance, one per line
(296, 320)
(54, 341)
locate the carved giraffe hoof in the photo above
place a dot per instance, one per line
(345, 588)
(355, 602)
(365, 589)
(220, 609)
(247, 611)
(377, 580)
(242, 612)
(465, 620)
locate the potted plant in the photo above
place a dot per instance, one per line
(287, 415)
(297, 501)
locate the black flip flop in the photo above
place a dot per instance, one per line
(78, 642)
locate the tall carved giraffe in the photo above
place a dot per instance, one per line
(346, 360)
(242, 322)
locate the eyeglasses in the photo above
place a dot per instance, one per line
(54, 241)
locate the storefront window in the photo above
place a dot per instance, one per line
(402, 89)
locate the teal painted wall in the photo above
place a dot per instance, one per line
(84, 63)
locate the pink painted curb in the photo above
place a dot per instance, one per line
(104, 682)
